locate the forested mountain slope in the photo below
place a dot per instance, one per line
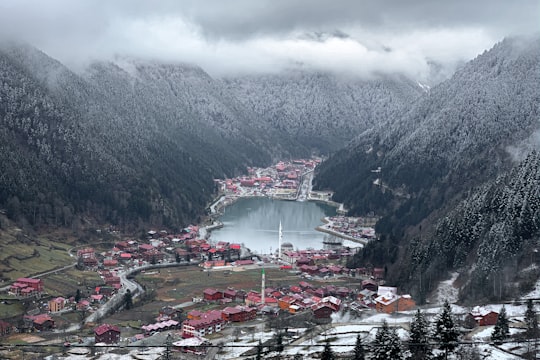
(455, 138)
(323, 111)
(496, 228)
(135, 142)
(108, 147)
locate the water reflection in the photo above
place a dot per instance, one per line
(255, 222)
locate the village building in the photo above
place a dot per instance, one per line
(333, 302)
(42, 322)
(160, 326)
(322, 311)
(483, 316)
(169, 313)
(253, 298)
(57, 304)
(153, 255)
(5, 328)
(212, 295)
(83, 305)
(87, 257)
(110, 263)
(230, 294)
(183, 254)
(208, 323)
(388, 301)
(370, 285)
(26, 287)
(239, 313)
(107, 334)
(193, 345)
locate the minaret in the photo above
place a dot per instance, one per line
(263, 287)
(279, 241)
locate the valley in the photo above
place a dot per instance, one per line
(148, 208)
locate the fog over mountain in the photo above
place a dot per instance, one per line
(357, 38)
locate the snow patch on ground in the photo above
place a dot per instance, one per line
(446, 291)
(535, 293)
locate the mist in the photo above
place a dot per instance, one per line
(357, 38)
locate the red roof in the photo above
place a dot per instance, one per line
(41, 319)
(28, 280)
(102, 329)
(210, 291)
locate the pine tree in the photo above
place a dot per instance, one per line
(279, 343)
(128, 300)
(531, 321)
(327, 353)
(359, 351)
(78, 296)
(418, 336)
(446, 333)
(501, 330)
(259, 351)
(387, 345)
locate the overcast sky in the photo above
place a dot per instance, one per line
(237, 36)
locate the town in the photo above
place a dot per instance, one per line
(300, 297)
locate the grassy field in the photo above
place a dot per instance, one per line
(10, 308)
(23, 255)
(185, 283)
(178, 285)
(67, 282)
(182, 284)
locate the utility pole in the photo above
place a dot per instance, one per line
(168, 344)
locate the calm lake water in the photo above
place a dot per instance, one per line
(255, 223)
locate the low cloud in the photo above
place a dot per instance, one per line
(359, 38)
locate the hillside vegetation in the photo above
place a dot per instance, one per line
(138, 143)
(467, 131)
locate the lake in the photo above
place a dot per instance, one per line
(255, 223)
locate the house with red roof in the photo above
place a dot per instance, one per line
(212, 294)
(322, 311)
(110, 263)
(343, 292)
(209, 323)
(239, 313)
(41, 322)
(332, 301)
(389, 301)
(106, 333)
(230, 294)
(152, 255)
(253, 298)
(145, 247)
(483, 316)
(27, 287)
(286, 302)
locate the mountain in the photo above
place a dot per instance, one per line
(108, 145)
(415, 168)
(496, 227)
(320, 110)
(136, 142)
